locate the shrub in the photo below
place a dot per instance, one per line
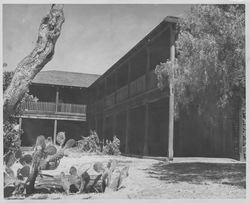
(112, 147)
(11, 137)
(90, 143)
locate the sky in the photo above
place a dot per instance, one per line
(93, 37)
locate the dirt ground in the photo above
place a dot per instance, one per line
(184, 178)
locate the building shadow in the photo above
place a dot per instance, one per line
(200, 173)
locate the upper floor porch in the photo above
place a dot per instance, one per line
(53, 110)
(56, 102)
(134, 74)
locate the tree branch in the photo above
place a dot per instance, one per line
(27, 69)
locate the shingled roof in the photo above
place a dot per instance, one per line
(63, 78)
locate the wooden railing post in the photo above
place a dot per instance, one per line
(57, 98)
(55, 131)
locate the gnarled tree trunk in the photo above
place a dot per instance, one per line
(49, 31)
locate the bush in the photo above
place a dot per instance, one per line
(112, 147)
(90, 143)
(11, 137)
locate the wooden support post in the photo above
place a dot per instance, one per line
(145, 147)
(171, 124)
(129, 78)
(20, 123)
(171, 100)
(95, 124)
(147, 68)
(57, 98)
(104, 128)
(127, 131)
(114, 124)
(55, 131)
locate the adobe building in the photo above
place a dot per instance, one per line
(125, 101)
(61, 106)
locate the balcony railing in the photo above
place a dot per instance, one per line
(99, 105)
(110, 100)
(122, 93)
(71, 108)
(50, 107)
(152, 80)
(138, 85)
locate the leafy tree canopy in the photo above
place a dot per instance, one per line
(211, 56)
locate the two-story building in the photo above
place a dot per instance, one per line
(125, 101)
(61, 106)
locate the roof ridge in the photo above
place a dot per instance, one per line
(69, 72)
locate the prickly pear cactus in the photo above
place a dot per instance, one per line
(60, 138)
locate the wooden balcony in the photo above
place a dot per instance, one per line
(50, 107)
(99, 105)
(138, 86)
(110, 100)
(152, 80)
(71, 108)
(122, 93)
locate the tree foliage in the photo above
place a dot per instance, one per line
(211, 56)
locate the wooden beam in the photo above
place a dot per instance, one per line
(129, 77)
(55, 116)
(104, 128)
(55, 131)
(127, 131)
(114, 124)
(145, 147)
(95, 123)
(171, 99)
(147, 67)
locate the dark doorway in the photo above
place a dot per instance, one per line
(33, 128)
(137, 130)
(73, 129)
(108, 132)
(99, 128)
(120, 130)
(158, 128)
